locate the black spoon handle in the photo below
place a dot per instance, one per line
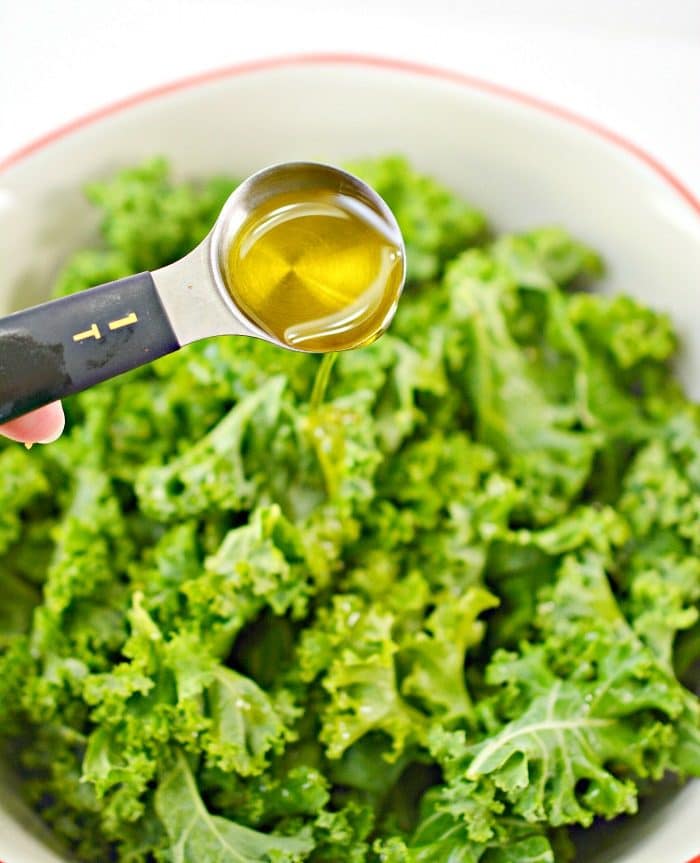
(67, 345)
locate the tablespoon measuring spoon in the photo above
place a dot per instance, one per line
(303, 255)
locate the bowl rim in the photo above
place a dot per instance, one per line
(368, 61)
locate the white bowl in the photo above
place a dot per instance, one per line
(523, 162)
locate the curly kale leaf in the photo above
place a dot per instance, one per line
(213, 475)
(196, 835)
(513, 415)
(436, 654)
(352, 648)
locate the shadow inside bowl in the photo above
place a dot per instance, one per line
(611, 841)
(37, 839)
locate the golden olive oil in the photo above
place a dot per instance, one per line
(319, 271)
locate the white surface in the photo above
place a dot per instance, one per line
(633, 65)
(522, 165)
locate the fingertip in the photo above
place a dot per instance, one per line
(51, 423)
(44, 425)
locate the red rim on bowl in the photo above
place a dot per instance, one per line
(369, 61)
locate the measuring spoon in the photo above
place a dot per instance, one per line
(67, 345)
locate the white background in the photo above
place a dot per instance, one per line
(633, 65)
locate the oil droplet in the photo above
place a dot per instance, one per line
(322, 272)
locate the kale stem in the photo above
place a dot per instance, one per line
(321, 382)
